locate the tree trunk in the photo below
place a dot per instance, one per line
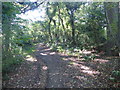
(111, 11)
(118, 35)
(49, 30)
(73, 28)
(62, 25)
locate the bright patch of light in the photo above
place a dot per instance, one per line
(84, 67)
(44, 67)
(52, 53)
(30, 58)
(101, 60)
(43, 54)
(90, 72)
(34, 15)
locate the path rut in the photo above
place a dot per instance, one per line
(67, 73)
(54, 65)
(62, 75)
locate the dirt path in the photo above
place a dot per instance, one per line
(61, 74)
(56, 70)
(54, 66)
(28, 75)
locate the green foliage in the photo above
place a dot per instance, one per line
(25, 39)
(9, 51)
(29, 50)
(89, 21)
(115, 76)
(16, 34)
(83, 23)
(57, 48)
(116, 73)
(60, 49)
(10, 63)
(112, 79)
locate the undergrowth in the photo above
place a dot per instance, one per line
(10, 63)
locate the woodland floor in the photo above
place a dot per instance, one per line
(48, 69)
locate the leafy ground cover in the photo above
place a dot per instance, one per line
(60, 70)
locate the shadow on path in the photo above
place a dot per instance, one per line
(70, 72)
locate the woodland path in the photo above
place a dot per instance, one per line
(57, 70)
(61, 74)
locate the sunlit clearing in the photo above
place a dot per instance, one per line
(44, 68)
(52, 53)
(43, 54)
(30, 58)
(101, 60)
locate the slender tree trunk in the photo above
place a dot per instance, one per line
(62, 25)
(71, 13)
(49, 30)
(73, 28)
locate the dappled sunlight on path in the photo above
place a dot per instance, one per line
(58, 70)
(69, 71)
(30, 58)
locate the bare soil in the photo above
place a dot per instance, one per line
(59, 70)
